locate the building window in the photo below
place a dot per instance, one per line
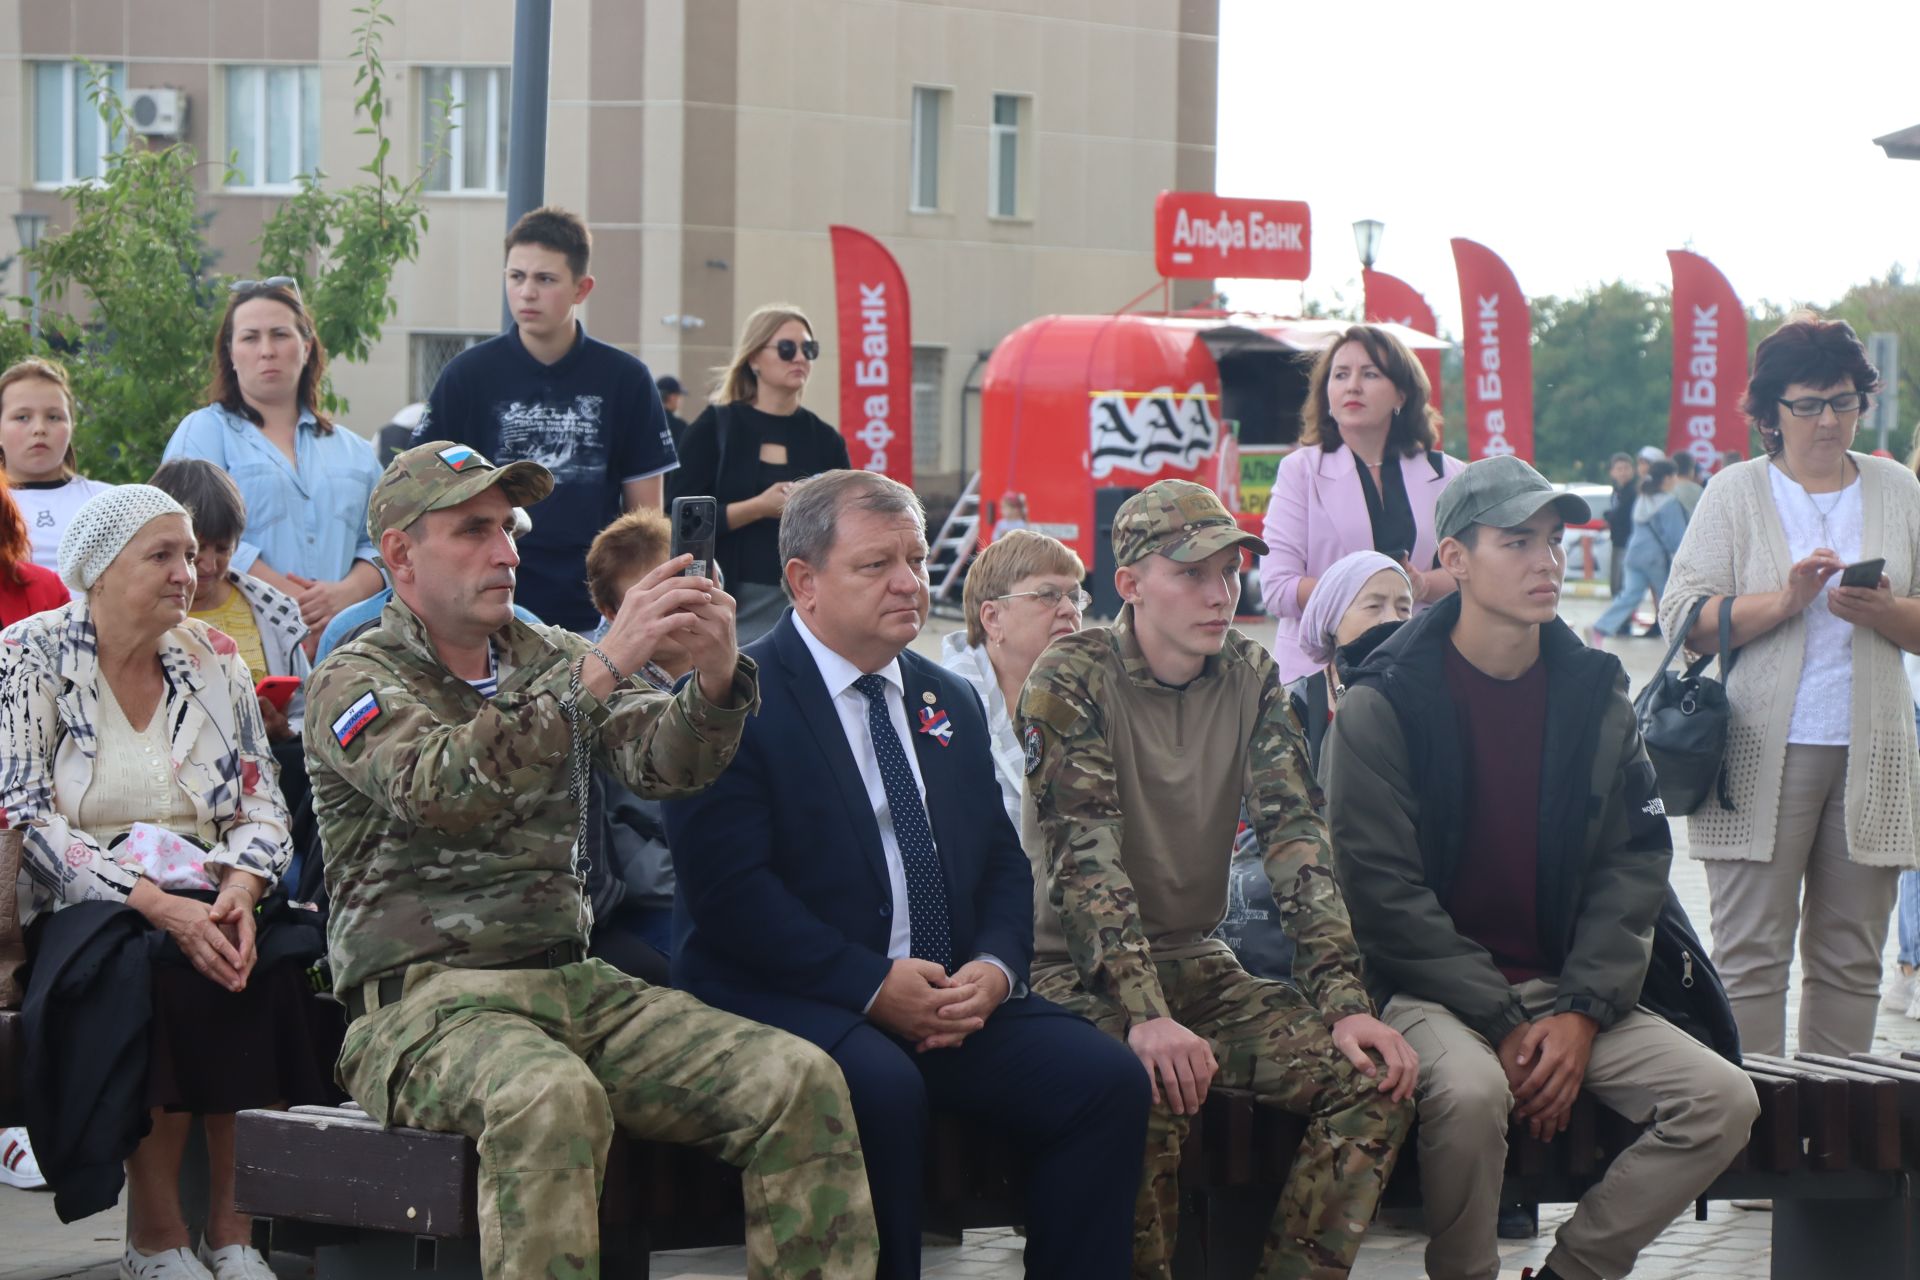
(929, 377)
(429, 353)
(71, 142)
(273, 125)
(929, 120)
(474, 158)
(1004, 162)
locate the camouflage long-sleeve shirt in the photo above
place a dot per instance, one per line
(445, 815)
(1137, 790)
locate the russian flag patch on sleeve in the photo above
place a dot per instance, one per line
(349, 723)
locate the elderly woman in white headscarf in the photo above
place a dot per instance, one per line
(1354, 606)
(133, 756)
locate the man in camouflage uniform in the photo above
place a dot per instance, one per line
(440, 748)
(1142, 741)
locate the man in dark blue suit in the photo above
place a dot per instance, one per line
(853, 878)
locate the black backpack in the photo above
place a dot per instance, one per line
(1683, 987)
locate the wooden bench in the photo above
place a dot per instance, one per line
(1836, 1147)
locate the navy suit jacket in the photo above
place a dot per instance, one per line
(783, 909)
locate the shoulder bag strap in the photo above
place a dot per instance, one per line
(1727, 652)
(1686, 629)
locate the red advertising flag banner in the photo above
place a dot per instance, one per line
(1391, 300)
(1709, 363)
(1201, 236)
(876, 355)
(1499, 354)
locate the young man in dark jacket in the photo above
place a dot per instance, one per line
(1504, 854)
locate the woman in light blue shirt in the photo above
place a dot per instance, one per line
(306, 482)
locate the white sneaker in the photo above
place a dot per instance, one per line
(168, 1264)
(236, 1262)
(18, 1168)
(1899, 993)
(1913, 1007)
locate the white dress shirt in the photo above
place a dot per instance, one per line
(851, 706)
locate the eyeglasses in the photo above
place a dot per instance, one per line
(1842, 405)
(1052, 596)
(787, 349)
(271, 282)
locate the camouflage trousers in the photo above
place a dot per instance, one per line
(1270, 1041)
(538, 1066)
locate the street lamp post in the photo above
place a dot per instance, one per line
(1366, 239)
(28, 227)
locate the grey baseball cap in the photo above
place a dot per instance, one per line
(1502, 492)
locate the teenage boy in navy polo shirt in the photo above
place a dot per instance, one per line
(545, 391)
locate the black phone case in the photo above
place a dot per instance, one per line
(696, 523)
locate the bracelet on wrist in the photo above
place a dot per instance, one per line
(606, 662)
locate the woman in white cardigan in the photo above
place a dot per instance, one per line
(1821, 764)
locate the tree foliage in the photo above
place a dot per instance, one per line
(1890, 305)
(1602, 364)
(131, 304)
(342, 245)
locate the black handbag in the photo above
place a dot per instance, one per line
(1683, 719)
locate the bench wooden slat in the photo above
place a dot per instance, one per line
(1825, 1129)
(1892, 1099)
(354, 1174)
(1774, 1146)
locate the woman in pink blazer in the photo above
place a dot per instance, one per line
(1366, 475)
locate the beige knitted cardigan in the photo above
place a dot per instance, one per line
(1736, 545)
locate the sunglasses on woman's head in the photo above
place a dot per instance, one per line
(261, 286)
(787, 349)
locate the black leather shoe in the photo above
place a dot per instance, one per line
(1519, 1222)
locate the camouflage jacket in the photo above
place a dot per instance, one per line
(445, 815)
(1137, 788)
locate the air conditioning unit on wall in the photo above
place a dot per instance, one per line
(158, 113)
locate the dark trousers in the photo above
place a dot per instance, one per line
(1072, 1100)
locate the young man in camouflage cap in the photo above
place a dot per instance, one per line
(1143, 739)
(441, 748)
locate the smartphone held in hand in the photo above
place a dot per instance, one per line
(696, 524)
(1865, 573)
(278, 690)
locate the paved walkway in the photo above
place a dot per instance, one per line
(35, 1246)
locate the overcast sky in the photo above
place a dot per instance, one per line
(1579, 142)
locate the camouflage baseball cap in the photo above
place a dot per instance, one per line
(1503, 492)
(441, 474)
(1178, 519)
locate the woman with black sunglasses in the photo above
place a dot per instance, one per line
(306, 484)
(754, 440)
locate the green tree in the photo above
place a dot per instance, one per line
(1602, 370)
(342, 245)
(1890, 305)
(131, 306)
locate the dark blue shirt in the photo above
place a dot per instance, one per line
(592, 417)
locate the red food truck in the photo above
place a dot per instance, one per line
(1078, 413)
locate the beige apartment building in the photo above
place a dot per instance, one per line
(1007, 151)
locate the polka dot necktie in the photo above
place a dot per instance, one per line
(926, 887)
